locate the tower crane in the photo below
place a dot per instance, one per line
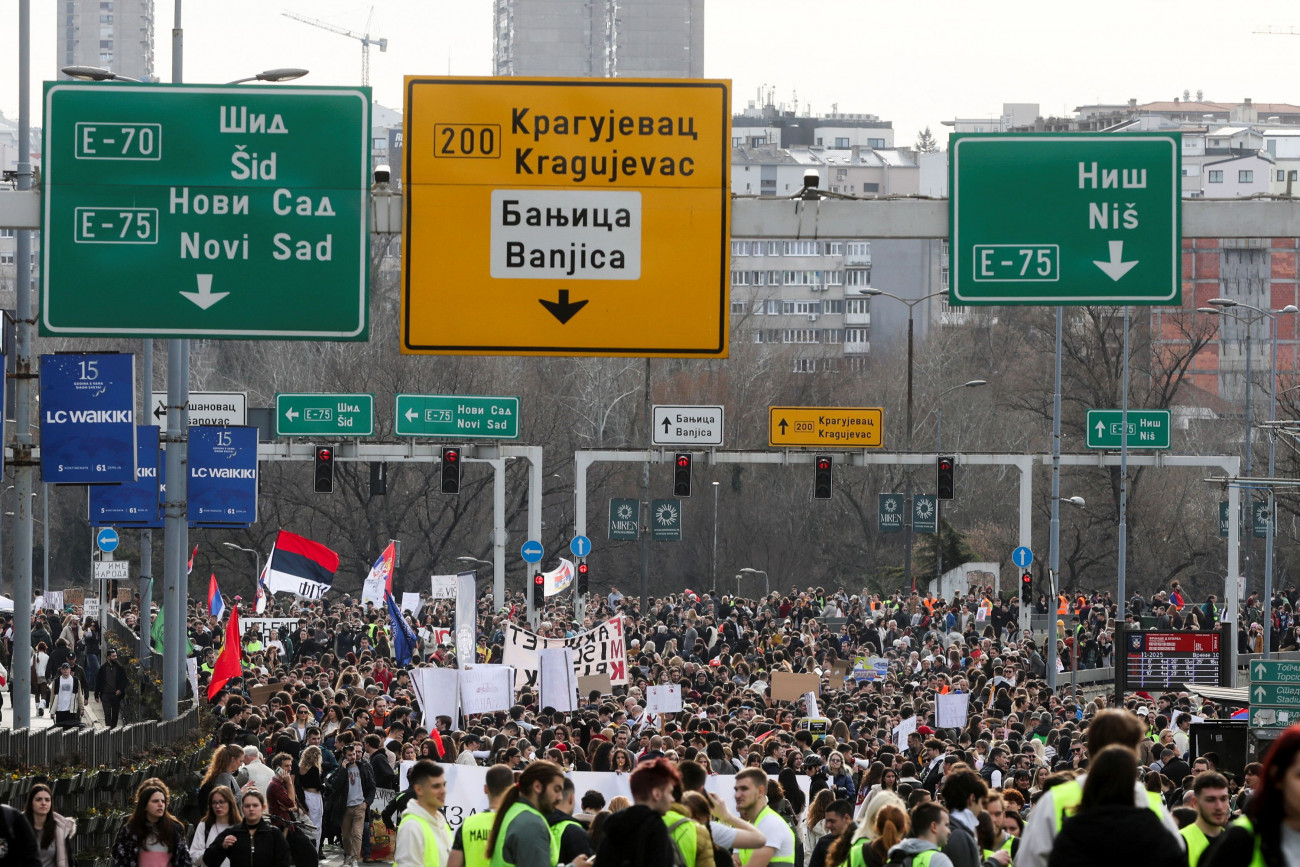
(364, 38)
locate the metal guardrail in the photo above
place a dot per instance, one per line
(91, 748)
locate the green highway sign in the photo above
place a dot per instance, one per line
(310, 415)
(1281, 694)
(1147, 428)
(1274, 671)
(1273, 717)
(205, 211)
(1054, 219)
(459, 416)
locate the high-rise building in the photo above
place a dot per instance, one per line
(111, 34)
(599, 38)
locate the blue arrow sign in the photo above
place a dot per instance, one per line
(580, 546)
(531, 551)
(107, 540)
(1022, 557)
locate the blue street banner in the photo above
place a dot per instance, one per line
(88, 419)
(137, 505)
(223, 476)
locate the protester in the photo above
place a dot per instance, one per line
(254, 842)
(423, 838)
(152, 836)
(52, 830)
(638, 836)
(17, 840)
(1213, 812)
(520, 835)
(351, 790)
(222, 814)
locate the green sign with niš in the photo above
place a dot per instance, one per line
(892, 513)
(1274, 671)
(925, 513)
(1057, 218)
(453, 415)
(205, 211)
(1147, 428)
(666, 520)
(302, 415)
(624, 520)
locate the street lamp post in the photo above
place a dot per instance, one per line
(713, 567)
(907, 527)
(1219, 307)
(257, 562)
(1054, 590)
(938, 503)
(767, 587)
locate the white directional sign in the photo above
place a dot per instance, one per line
(688, 425)
(206, 408)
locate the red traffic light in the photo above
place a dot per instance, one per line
(537, 578)
(945, 465)
(823, 463)
(1027, 579)
(325, 454)
(683, 461)
(450, 455)
(582, 568)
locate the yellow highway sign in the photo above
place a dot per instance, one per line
(566, 217)
(844, 427)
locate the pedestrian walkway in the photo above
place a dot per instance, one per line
(93, 715)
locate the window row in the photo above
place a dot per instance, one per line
(800, 248)
(1244, 176)
(789, 278)
(828, 336)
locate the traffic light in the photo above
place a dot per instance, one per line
(324, 470)
(582, 577)
(539, 590)
(947, 485)
(378, 478)
(822, 477)
(1027, 588)
(682, 474)
(450, 470)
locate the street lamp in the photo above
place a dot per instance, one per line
(1055, 581)
(938, 503)
(94, 73)
(911, 306)
(767, 587)
(288, 73)
(1220, 307)
(474, 560)
(257, 561)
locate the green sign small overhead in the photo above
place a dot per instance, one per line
(301, 415)
(892, 512)
(1274, 671)
(666, 520)
(925, 513)
(468, 417)
(624, 520)
(1147, 428)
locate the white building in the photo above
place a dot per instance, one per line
(112, 34)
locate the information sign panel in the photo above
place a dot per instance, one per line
(591, 215)
(1147, 428)
(174, 210)
(464, 416)
(345, 415)
(223, 476)
(1166, 660)
(88, 419)
(624, 520)
(826, 426)
(206, 408)
(687, 425)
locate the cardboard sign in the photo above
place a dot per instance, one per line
(591, 682)
(787, 686)
(663, 699)
(840, 669)
(262, 693)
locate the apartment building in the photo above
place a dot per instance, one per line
(111, 34)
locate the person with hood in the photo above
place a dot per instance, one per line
(963, 794)
(1108, 827)
(930, 829)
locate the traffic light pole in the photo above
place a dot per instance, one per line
(1123, 500)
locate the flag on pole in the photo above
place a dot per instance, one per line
(230, 660)
(216, 605)
(384, 566)
(259, 598)
(403, 635)
(157, 632)
(192, 553)
(300, 566)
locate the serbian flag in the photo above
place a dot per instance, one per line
(300, 566)
(1244, 713)
(191, 566)
(384, 566)
(230, 660)
(216, 605)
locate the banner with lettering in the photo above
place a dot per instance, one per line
(601, 650)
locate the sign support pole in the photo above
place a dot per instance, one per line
(23, 472)
(1054, 528)
(1123, 494)
(146, 536)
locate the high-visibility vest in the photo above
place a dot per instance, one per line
(557, 831)
(498, 851)
(746, 854)
(474, 833)
(1062, 604)
(856, 858)
(1197, 843)
(1258, 859)
(430, 839)
(682, 830)
(1066, 798)
(988, 853)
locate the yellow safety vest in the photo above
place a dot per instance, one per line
(430, 839)
(856, 858)
(682, 830)
(1197, 843)
(557, 831)
(1066, 798)
(498, 851)
(1258, 859)
(746, 854)
(474, 833)
(988, 853)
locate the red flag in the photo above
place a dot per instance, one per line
(230, 660)
(192, 553)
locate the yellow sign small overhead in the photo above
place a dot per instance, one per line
(566, 217)
(851, 427)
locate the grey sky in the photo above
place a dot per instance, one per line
(910, 62)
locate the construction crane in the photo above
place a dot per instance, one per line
(364, 38)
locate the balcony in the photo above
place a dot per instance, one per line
(857, 348)
(863, 319)
(857, 260)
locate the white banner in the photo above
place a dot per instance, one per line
(485, 688)
(559, 685)
(466, 628)
(601, 650)
(411, 602)
(89, 608)
(192, 669)
(444, 586)
(558, 579)
(372, 592)
(950, 710)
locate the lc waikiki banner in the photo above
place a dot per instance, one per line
(602, 650)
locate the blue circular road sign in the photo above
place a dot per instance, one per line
(531, 551)
(1022, 557)
(580, 546)
(107, 540)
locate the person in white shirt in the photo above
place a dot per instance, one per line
(66, 697)
(422, 823)
(254, 771)
(223, 813)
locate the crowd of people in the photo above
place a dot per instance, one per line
(1035, 777)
